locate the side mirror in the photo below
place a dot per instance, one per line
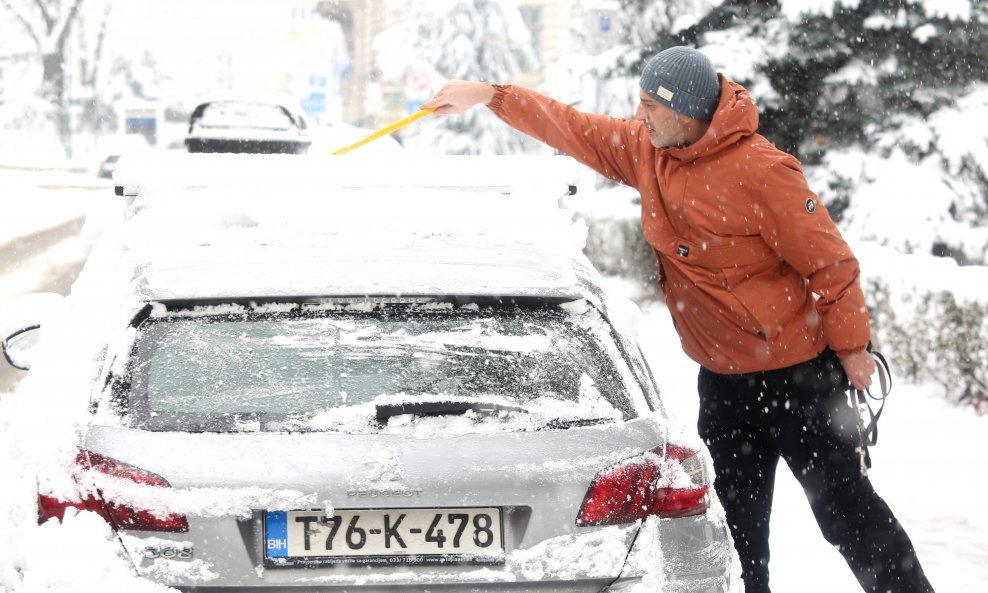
(19, 347)
(21, 320)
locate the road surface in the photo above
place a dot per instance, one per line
(44, 213)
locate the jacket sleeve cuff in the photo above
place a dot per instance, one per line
(847, 352)
(496, 104)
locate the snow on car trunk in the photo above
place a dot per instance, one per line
(507, 492)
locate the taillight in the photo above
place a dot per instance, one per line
(669, 481)
(117, 515)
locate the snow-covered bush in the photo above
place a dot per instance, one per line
(921, 188)
(930, 336)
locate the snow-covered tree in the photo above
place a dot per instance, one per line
(651, 25)
(459, 39)
(92, 30)
(102, 75)
(882, 101)
(48, 23)
(19, 104)
(895, 80)
(876, 79)
(582, 75)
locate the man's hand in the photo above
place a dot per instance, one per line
(459, 95)
(859, 366)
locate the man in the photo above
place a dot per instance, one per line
(763, 290)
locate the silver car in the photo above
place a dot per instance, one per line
(329, 414)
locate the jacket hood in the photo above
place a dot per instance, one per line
(736, 117)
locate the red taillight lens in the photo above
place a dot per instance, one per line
(667, 481)
(117, 515)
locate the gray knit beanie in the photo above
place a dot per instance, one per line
(684, 80)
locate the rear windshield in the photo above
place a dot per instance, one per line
(232, 114)
(354, 368)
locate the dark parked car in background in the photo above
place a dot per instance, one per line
(247, 125)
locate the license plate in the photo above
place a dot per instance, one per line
(384, 536)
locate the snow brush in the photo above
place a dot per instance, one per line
(396, 125)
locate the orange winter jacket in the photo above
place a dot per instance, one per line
(755, 273)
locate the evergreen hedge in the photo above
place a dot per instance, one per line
(930, 336)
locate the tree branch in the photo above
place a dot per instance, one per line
(64, 25)
(29, 28)
(98, 50)
(45, 13)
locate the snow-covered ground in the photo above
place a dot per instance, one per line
(928, 464)
(42, 215)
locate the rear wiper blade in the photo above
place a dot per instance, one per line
(563, 423)
(439, 407)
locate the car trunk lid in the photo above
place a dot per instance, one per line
(513, 497)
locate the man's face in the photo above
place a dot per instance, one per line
(665, 127)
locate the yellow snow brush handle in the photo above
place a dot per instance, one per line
(401, 123)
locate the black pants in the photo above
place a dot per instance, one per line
(802, 415)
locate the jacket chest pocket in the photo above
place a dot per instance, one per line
(680, 209)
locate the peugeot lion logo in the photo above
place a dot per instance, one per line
(383, 466)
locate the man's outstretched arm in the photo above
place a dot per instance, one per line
(613, 147)
(459, 95)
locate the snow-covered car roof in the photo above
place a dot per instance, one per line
(255, 263)
(270, 227)
(172, 173)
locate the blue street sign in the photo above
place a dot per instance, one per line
(314, 103)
